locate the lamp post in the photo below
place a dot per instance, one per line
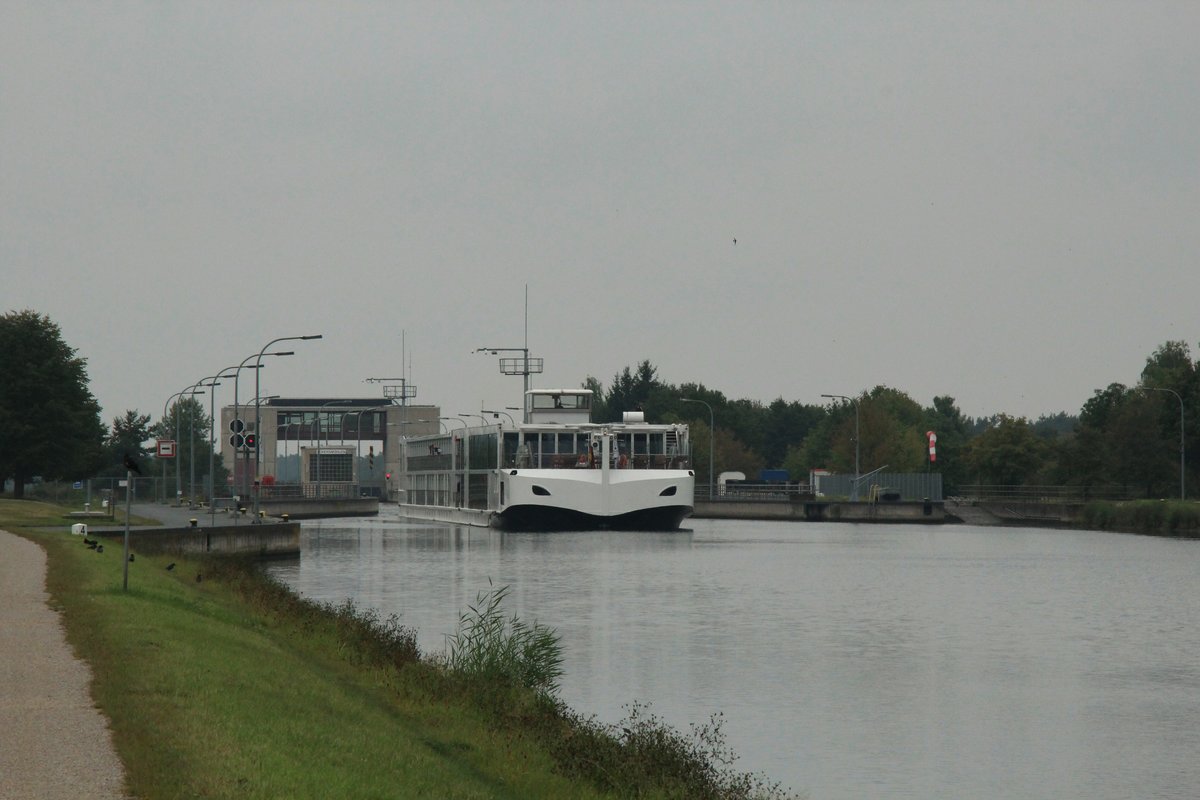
(854, 488)
(167, 405)
(711, 440)
(211, 382)
(192, 443)
(482, 419)
(496, 415)
(508, 366)
(189, 391)
(1182, 490)
(358, 434)
(454, 419)
(258, 401)
(258, 363)
(237, 407)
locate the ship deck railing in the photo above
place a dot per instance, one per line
(567, 461)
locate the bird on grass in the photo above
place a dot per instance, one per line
(131, 557)
(99, 548)
(170, 566)
(131, 465)
(199, 577)
(91, 545)
(90, 542)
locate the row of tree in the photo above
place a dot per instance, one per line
(1127, 437)
(50, 425)
(1125, 440)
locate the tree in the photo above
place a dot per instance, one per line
(946, 420)
(1007, 454)
(599, 408)
(629, 391)
(49, 421)
(787, 424)
(128, 436)
(190, 436)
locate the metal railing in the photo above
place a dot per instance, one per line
(990, 493)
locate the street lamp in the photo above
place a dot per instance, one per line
(174, 433)
(455, 419)
(212, 439)
(1182, 491)
(854, 487)
(258, 401)
(211, 383)
(711, 440)
(509, 366)
(237, 408)
(496, 414)
(482, 419)
(257, 433)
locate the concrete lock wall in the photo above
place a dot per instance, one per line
(816, 511)
(269, 539)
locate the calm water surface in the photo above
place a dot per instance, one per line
(849, 661)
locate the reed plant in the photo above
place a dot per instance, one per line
(490, 647)
(1155, 517)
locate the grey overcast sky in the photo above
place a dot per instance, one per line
(992, 200)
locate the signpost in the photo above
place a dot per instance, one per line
(166, 448)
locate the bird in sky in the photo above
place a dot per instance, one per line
(132, 465)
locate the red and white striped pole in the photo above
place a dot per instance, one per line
(932, 446)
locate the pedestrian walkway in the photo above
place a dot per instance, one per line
(54, 743)
(165, 516)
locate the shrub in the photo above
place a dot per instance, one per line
(642, 756)
(496, 650)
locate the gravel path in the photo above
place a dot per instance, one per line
(54, 743)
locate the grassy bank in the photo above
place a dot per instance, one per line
(221, 683)
(1158, 517)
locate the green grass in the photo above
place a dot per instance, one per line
(235, 687)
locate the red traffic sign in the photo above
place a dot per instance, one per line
(166, 448)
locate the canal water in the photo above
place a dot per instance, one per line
(848, 661)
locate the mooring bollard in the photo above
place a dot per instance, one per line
(192, 522)
(284, 517)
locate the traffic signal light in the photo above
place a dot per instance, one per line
(251, 440)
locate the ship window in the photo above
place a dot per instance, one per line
(540, 490)
(667, 492)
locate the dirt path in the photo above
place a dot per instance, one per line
(54, 743)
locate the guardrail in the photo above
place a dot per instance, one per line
(981, 493)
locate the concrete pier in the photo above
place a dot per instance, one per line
(802, 510)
